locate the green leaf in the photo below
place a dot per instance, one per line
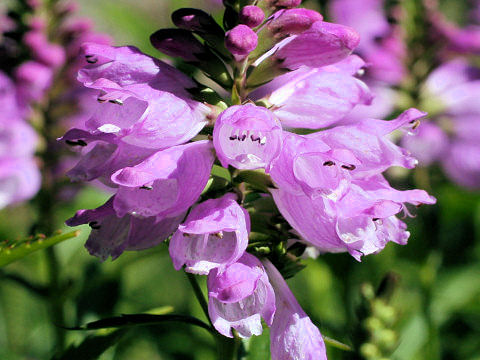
(11, 251)
(221, 172)
(257, 179)
(336, 344)
(92, 347)
(127, 320)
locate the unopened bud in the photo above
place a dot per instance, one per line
(251, 15)
(241, 40)
(285, 3)
(293, 21)
(195, 20)
(177, 43)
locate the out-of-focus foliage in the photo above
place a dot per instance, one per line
(433, 308)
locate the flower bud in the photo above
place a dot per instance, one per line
(293, 21)
(195, 20)
(241, 40)
(285, 3)
(177, 43)
(251, 15)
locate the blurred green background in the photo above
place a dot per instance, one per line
(431, 309)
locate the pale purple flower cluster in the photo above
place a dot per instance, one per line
(32, 66)
(146, 141)
(19, 175)
(448, 91)
(452, 138)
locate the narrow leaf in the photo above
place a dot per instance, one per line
(126, 320)
(11, 251)
(92, 347)
(336, 344)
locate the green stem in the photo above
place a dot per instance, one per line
(56, 298)
(227, 348)
(198, 294)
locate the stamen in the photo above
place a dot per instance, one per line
(94, 225)
(91, 59)
(146, 187)
(328, 163)
(263, 141)
(349, 167)
(415, 123)
(75, 143)
(116, 101)
(242, 138)
(233, 137)
(219, 234)
(100, 100)
(253, 138)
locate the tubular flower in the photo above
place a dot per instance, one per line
(247, 137)
(165, 184)
(316, 98)
(214, 234)
(292, 334)
(141, 99)
(111, 235)
(239, 295)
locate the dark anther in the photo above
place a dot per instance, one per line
(349, 167)
(242, 138)
(375, 219)
(100, 100)
(416, 124)
(146, 187)
(233, 137)
(328, 163)
(75, 143)
(253, 138)
(94, 225)
(116, 101)
(91, 59)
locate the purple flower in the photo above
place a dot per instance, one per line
(322, 44)
(19, 174)
(324, 163)
(111, 235)
(214, 234)
(51, 55)
(316, 98)
(33, 80)
(102, 155)
(361, 221)
(381, 44)
(165, 184)
(453, 88)
(239, 295)
(19, 180)
(462, 163)
(143, 101)
(247, 137)
(241, 41)
(292, 334)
